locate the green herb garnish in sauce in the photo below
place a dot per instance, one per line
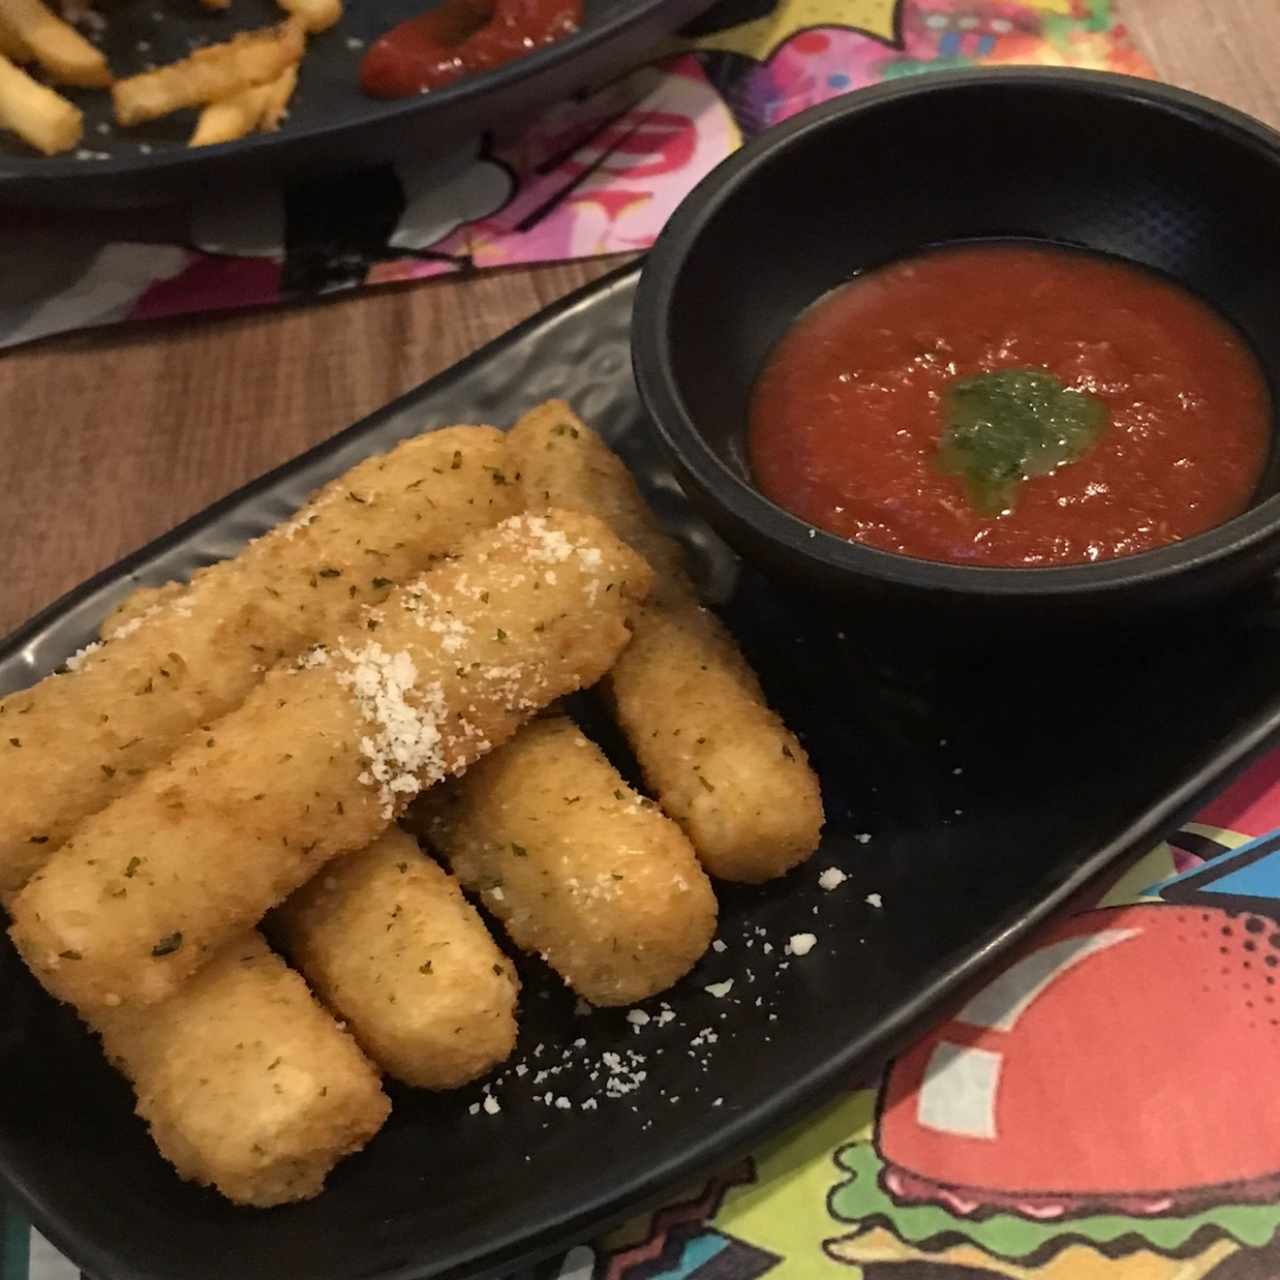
(1005, 427)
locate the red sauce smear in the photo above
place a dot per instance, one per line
(846, 416)
(459, 38)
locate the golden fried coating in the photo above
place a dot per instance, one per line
(247, 1084)
(140, 602)
(77, 740)
(389, 943)
(715, 755)
(577, 866)
(719, 760)
(322, 756)
(562, 463)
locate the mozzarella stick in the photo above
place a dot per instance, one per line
(390, 945)
(246, 1083)
(77, 740)
(322, 757)
(577, 866)
(716, 757)
(141, 602)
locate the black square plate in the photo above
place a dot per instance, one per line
(975, 797)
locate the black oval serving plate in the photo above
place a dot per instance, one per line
(976, 801)
(332, 127)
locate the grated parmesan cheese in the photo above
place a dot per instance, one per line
(553, 546)
(77, 659)
(126, 629)
(407, 749)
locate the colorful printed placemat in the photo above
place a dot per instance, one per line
(593, 176)
(1103, 1110)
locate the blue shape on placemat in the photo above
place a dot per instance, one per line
(699, 1250)
(15, 1237)
(1258, 880)
(721, 1255)
(1247, 878)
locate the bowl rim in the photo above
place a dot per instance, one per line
(660, 392)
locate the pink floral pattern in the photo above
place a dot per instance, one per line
(590, 177)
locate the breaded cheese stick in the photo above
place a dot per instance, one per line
(577, 866)
(245, 1082)
(323, 755)
(717, 758)
(77, 740)
(390, 945)
(140, 603)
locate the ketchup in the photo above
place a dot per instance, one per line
(459, 38)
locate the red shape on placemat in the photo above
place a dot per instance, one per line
(1125, 1060)
(1250, 804)
(211, 284)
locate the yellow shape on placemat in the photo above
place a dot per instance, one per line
(878, 1247)
(785, 1210)
(779, 1201)
(758, 39)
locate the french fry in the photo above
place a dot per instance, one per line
(257, 108)
(13, 46)
(59, 48)
(35, 113)
(279, 92)
(209, 75)
(315, 15)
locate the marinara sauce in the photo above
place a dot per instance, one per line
(459, 38)
(847, 416)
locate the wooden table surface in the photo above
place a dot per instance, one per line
(108, 439)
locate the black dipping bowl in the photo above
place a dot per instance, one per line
(1123, 166)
